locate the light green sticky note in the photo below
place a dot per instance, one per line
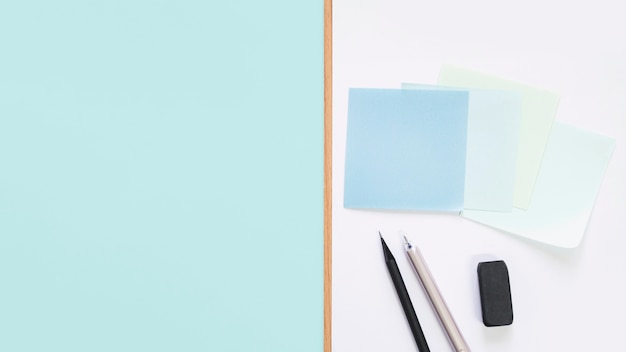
(492, 133)
(538, 112)
(569, 179)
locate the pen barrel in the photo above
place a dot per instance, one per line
(407, 306)
(437, 301)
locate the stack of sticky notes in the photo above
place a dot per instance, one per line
(483, 146)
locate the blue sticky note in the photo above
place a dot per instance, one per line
(405, 149)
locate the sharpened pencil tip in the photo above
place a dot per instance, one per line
(405, 240)
(379, 234)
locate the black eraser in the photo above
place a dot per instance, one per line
(495, 293)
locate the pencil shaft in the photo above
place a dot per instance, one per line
(428, 283)
(405, 300)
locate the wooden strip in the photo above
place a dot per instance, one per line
(328, 19)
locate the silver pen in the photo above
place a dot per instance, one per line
(432, 291)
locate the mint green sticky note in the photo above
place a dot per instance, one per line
(492, 138)
(148, 201)
(538, 112)
(567, 184)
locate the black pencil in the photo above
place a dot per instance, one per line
(405, 300)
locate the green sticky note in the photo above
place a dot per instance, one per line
(567, 184)
(538, 112)
(148, 201)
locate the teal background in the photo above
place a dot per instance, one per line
(161, 176)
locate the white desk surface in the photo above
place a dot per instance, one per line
(563, 300)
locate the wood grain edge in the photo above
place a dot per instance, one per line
(328, 17)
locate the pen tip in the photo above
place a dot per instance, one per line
(379, 234)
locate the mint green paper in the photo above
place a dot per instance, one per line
(492, 138)
(569, 179)
(538, 112)
(148, 201)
